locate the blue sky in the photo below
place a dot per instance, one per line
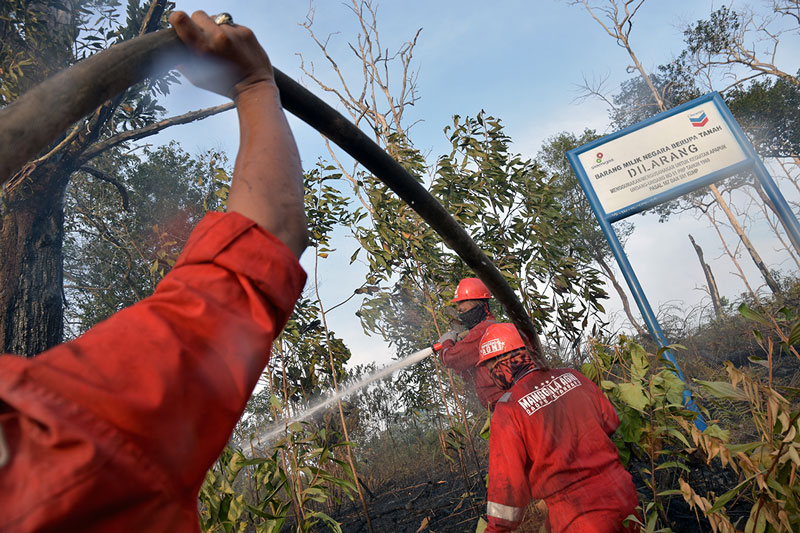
(521, 61)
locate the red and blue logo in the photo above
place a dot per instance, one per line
(698, 119)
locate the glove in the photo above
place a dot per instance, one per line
(451, 336)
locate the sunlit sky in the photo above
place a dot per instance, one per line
(521, 61)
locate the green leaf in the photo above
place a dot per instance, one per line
(482, 525)
(334, 525)
(743, 448)
(275, 402)
(794, 335)
(607, 385)
(678, 435)
(784, 490)
(672, 464)
(485, 430)
(748, 313)
(639, 363)
(672, 387)
(633, 395)
(722, 390)
(589, 370)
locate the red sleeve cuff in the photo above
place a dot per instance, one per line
(216, 239)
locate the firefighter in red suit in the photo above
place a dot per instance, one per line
(115, 430)
(550, 440)
(472, 304)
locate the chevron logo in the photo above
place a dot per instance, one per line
(699, 119)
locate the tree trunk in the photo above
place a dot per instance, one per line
(764, 198)
(712, 284)
(728, 251)
(626, 306)
(31, 273)
(773, 285)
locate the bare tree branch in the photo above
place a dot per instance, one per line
(112, 180)
(133, 135)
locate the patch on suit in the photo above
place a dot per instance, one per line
(549, 391)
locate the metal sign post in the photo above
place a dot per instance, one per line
(662, 158)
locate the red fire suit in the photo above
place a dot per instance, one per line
(462, 357)
(115, 430)
(550, 440)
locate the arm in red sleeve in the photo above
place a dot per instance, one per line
(463, 355)
(509, 493)
(173, 372)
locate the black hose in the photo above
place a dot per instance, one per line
(73, 93)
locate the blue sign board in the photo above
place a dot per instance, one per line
(659, 159)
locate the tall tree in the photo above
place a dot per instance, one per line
(737, 46)
(127, 216)
(41, 37)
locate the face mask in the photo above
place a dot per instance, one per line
(506, 372)
(473, 317)
(502, 375)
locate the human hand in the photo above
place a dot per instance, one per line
(226, 58)
(451, 336)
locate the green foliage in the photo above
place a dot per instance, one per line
(715, 35)
(257, 494)
(635, 101)
(302, 353)
(114, 256)
(41, 37)
(768, 110)
(648, 397)
(326, 207)
(656, 430)
(37, 37)
(514, 212)
(553, 158)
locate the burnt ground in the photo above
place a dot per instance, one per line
(435, 497)
(430, 501)
(439, 502)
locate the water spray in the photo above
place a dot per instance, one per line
(310, 411)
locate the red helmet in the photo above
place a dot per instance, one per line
(471, 289)
(499, 339)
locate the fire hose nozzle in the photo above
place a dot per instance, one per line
(436, 347)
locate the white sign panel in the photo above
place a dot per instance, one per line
(662, 156)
